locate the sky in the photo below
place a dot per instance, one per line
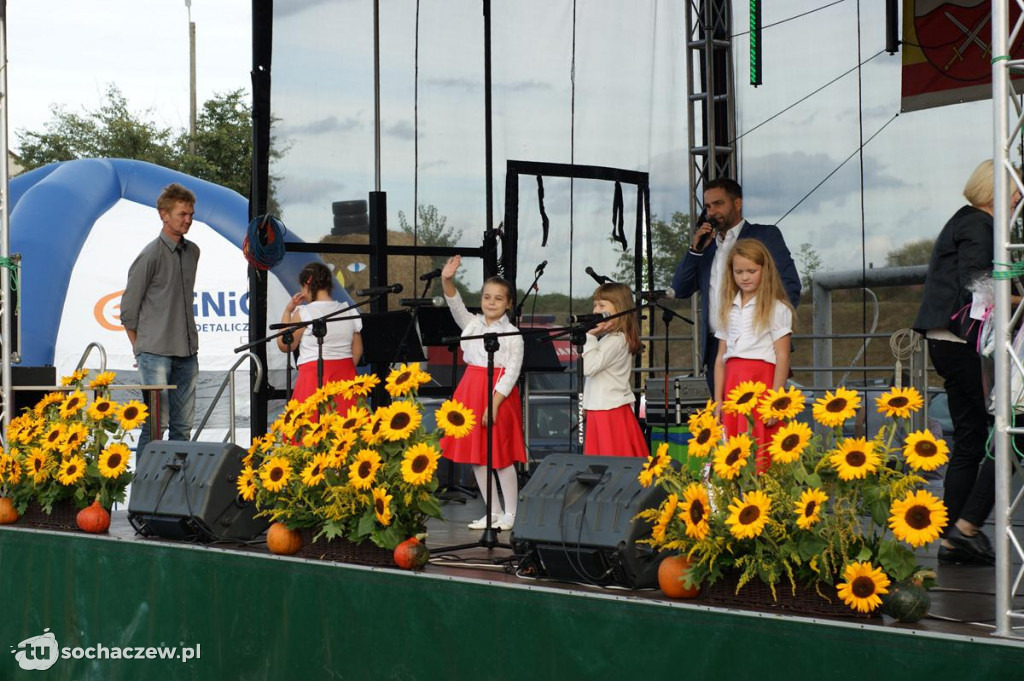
(622, 104)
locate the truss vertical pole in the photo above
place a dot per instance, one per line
(6, 304)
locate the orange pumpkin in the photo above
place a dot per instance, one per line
(8, 514)
(282, 541)
(411, 554)
(94, 518)
(670, 577)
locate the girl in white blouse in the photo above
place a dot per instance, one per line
(507, 440)
(611, 425)
(754, 330)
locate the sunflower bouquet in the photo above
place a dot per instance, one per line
(360, 475)
(71, 447)
(827, 510)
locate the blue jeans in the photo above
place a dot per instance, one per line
(178, 406)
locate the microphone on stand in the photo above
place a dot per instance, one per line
(436, 301)
(586, 318)
(540, 268)
(658, 294)
(379, 290)
(431, 275)
(599, 278)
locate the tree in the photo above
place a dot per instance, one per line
(223, 141)
(669, 243)
(808, 262)
(432, 230)
(912, 253)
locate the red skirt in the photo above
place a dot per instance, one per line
(738, 370)
(334, 370)
(614, 432)
(507, 441)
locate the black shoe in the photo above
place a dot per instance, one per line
(977, 544)
(960, 557)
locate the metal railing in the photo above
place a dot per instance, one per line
(88, 351)
(229, 381)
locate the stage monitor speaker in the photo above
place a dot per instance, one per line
(187, 490)
(577, 517)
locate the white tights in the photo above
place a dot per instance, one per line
(509, 488)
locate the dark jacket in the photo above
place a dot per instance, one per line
(694, 274)
(962, 254)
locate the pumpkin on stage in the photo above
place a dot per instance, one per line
(283, 541)
(906, 601)
(8, 513)
(94, 518)
(671, 577)
(411, 554)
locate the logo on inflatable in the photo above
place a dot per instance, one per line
(207, 304)
(107, 311)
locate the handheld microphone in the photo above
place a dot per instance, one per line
(431, 275)
(436, 301)
(599, 278)
(706, 240)
(540, 268)
(379, 290)
(658, 294)
(586, 318)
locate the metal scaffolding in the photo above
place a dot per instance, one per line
(1005, 99)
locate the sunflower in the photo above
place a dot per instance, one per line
(743, 398)
(285, 423)
(335, 388)
(700, 414)
(654, 466)
(114, 460)
(731, 456)
(72, 404)
(340, 448)
(31, 430)
(361, 386)
(53, 437)
(705, 432)
(76, 376)
(855, 458)
(71, 471)
(863, 586)
(899, 402)
(405, 379)
(12, 468)
(808, 508)
(372, 430)
(455, 419)
(37, 465)
(247, 484)
(781, 404)
(132, 414)
(48, 399)
(748, 516)
(918, 518)
(419, 464)
(363, 471)
(102, 380)
(924, 452)
(668, 510)
(261, 443)
(316, 433)
(315, 471)
(101, 409)
(836, 407)
(694, 510)
(354, 418)
(382, 505)
(789, 442)
(275, 472)
(74, 437)
(400, 420)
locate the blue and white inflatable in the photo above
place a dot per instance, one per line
(78, 226)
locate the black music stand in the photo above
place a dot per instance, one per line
(538, 357)
(384, 335)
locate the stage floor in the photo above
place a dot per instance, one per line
(963, 603)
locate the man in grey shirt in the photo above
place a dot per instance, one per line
(157, 313)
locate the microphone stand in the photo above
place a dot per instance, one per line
(413, 317)
(519, 308)
(667, 314)
(489, 539)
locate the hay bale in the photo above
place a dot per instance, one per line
(402, 269)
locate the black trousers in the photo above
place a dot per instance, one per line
(970, 486)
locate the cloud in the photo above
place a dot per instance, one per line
(283, 10)
(769, 193)
(402, 130)
(322, 126)
(476, 85)
(292, 189)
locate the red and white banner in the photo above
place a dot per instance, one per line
(947, 53)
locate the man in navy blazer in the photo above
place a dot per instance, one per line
(709, 250)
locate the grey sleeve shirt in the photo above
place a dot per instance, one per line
(157, 302)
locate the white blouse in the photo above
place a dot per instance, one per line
(608, 366)
(510, 348)
(744, 341)
(338, 341)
